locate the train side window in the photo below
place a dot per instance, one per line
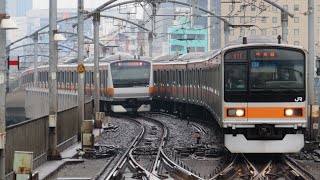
(167, 77)
(154, 77)
(72, 77)
(58, 77)
(199, 77)
(92, 77)
(106, 78)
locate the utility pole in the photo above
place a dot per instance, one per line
(96, 23)
(150, 34)
(3, 68)
(311, 72)
(194, 12)
(284, 19)
(35, 51)
(209, 20)
(226, 33)
(80, 62)
(53, 92)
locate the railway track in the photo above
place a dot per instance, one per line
(116, 171)
(270, 167)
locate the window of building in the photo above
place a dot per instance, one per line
(253, 19)
(200, 37)
(263, 7)
(176, 48)
(253, 32)
(285, 7)
(231, 7)
(263, 31)
(242, 19)
(296, 8)
(274, 9)
(274, 32)
(296, 31)
(200, 49)
(318, 19)
(242, 32)
(176, 36)
(274, 19)
(296, 19)
(318, 7)
(253, 8)
(191, 36)
(264, 19)
(231, 32)
(191, 49)
(231, 20)
(296, 43)
(242, 7)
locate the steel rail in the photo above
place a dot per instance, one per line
(116, 169)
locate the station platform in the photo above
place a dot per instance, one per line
(51, 167)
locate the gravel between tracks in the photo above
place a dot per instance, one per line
(120, 138)
(182, 135)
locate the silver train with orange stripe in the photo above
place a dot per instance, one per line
(126, 84)
(255, 91)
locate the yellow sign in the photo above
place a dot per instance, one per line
(23, 162)
(315, 111)
(81, 68)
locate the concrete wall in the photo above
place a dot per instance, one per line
(37, 101)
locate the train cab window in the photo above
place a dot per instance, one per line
(235, 77)
(167, 77)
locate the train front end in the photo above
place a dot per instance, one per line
(131, 85)
(265, 99)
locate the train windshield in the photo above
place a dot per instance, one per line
(260, 75)
(130, 74)
(277, 75)
(277, 70)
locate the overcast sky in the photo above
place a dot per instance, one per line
(44, 4)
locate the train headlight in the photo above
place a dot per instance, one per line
(233, 112)
(293, 112)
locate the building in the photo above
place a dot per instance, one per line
(183, 38)
(266, 20)
(19, 7)
(164, 21)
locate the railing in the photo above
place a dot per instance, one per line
(33, 135)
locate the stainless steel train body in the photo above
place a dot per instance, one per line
(125, 85)
(256, 92)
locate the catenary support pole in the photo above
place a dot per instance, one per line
(3, 68)
(53, 92)
(35, 51)
(311, 73)
(96, 23)
(80, 62)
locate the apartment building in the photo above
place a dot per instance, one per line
(266, 20)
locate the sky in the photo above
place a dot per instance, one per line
(44, 4)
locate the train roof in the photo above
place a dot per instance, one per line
(123, 56)
(168, 57)
(253, 39)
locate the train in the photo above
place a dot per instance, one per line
(126, 82)
(255, 89)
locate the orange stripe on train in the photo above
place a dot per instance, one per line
(264, 112)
